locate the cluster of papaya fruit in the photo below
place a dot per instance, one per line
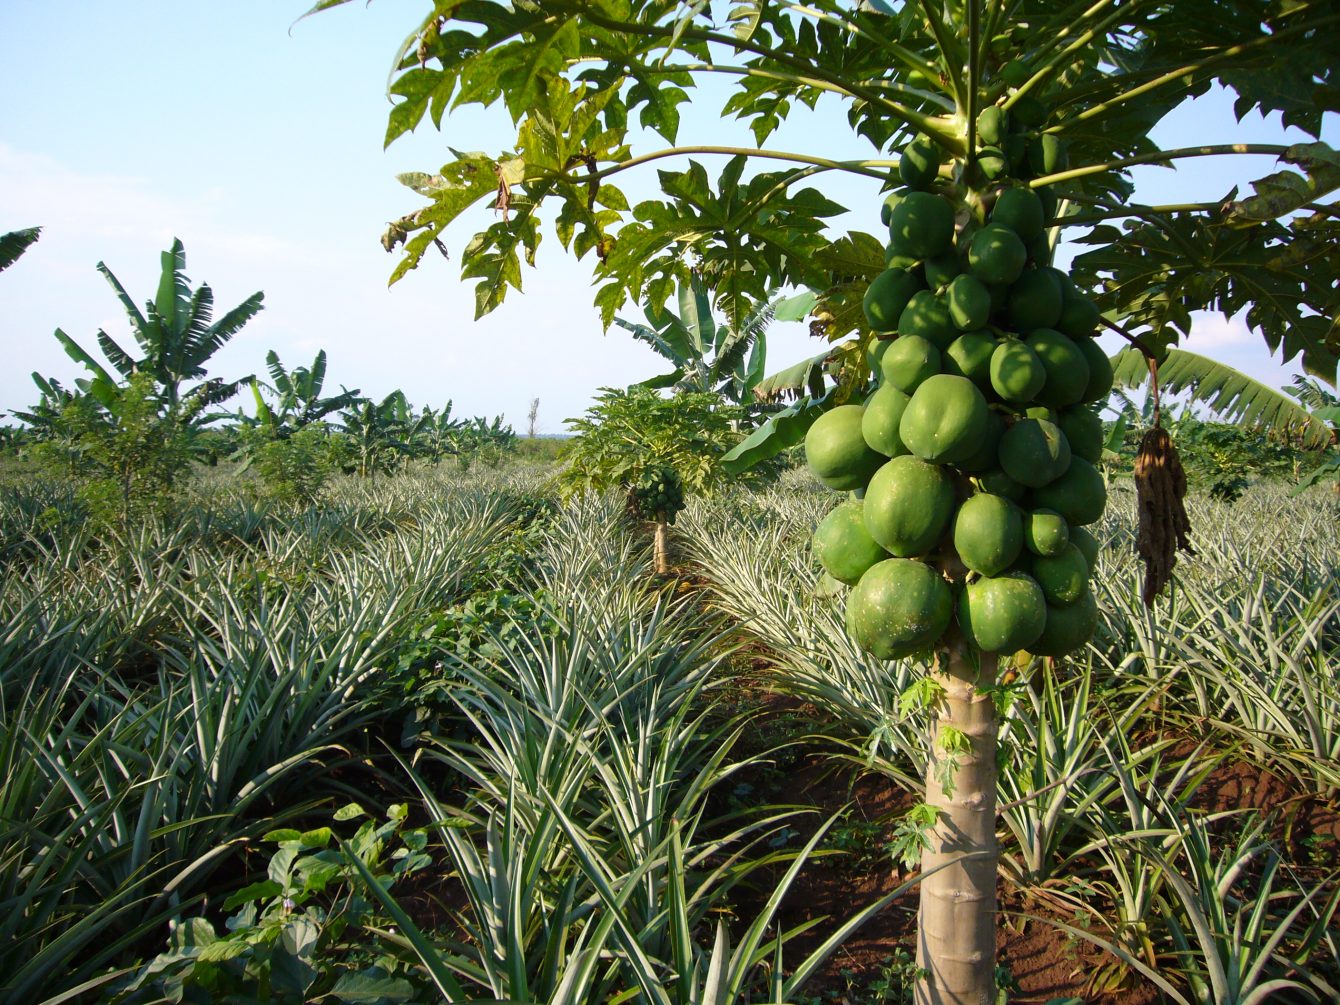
(972, 463)
(658, 494)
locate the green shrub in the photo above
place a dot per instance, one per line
(295, 469)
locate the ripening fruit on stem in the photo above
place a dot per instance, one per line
(974, 462)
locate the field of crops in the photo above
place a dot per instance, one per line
(443, 738)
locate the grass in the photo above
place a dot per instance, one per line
(579, 744)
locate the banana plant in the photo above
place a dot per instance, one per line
(379, 434)
(1325, 406)
(176, 337)
(298, 392)
(726, 358)
(1229, 393)
(15, 243)
(46, 420)
(1308, 413)
(54, 397)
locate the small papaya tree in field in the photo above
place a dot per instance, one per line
(133, 426)
(652, 448)
(124, 445)
(997, 127)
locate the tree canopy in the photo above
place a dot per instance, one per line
(578, 77)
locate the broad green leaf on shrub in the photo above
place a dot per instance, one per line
(263, 890)
(226, 949)
(372, 989)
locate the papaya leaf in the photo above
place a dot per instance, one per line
(1285, 192)
(855, 255)
(1226, 392)
(840, 310)
(572, 72)
(1156, 271)
(737, 233)
(321, 5)
(494, 257)
(744, 18)
(681, 23)
(417, 87)
(454, 189)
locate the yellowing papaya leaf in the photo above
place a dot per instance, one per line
(1284, 192)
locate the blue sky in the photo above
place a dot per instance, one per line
(258, 142)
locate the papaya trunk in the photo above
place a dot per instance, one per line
(956, 929)
(661, 547)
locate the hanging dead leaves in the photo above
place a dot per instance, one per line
(1160, 488)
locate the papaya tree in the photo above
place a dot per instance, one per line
(999, 128)
(176, 335)
(655, 449)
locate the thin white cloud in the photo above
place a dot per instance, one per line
(1214, 331)
(96, 210)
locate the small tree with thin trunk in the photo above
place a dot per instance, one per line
(655, 449)
(531, 418)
